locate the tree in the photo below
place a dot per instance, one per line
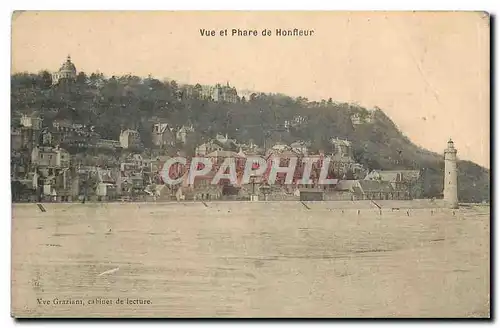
(174, 88)
(17, 189)
(44, 79)
(197, 91)
(81, 78)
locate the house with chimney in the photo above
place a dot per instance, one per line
(183, 133)
(163, 134)
(52, 164)
(341, 156)
(130, 139)
(408, 182)
(208, 147)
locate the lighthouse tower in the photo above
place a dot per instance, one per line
(450, 191)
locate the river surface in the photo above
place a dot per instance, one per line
(243, 259)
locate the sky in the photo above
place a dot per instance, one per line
(428, 71)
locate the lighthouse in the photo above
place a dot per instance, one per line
(450, 192)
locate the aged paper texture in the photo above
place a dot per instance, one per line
(250, 164)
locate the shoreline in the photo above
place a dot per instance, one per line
(360, 204)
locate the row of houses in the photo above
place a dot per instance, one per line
(350, 190)
(362, 185)
(63, 132)
(51, 175)
(39, 159)
(217, 93)
(165, 134)
(55, 178)
(340, 155)
(41, 165)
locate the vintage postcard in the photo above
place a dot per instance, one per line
(250, 164)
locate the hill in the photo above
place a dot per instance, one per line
(112, 104)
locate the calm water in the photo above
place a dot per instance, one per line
(264, 259)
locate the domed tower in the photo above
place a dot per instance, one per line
(450, 192)
(66, 72)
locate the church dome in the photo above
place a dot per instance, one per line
(68, 66)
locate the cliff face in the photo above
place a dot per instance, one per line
(111, 104)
